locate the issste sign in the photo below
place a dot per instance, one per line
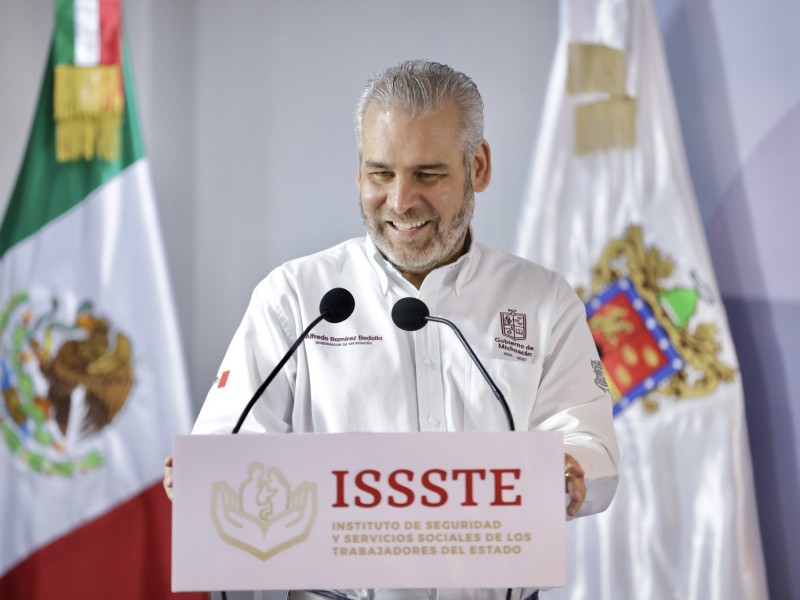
(368, 510)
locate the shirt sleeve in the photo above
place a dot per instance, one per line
(573, 398)
(257, 346)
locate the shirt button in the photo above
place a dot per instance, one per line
(428, 362)
(433, 421)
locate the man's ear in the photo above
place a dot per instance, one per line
(481, 167)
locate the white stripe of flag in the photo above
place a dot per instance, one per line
(87, 32)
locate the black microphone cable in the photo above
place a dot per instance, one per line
(335, 306)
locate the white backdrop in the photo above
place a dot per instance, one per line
(246, 108)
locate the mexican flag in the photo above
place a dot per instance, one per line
(92, 377)
(611, 206)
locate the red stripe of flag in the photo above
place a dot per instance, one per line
(124, 554)
(110, 32)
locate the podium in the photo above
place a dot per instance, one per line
(368, 510)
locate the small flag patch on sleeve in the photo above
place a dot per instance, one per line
(223, 379)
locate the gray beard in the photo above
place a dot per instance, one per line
(438, 250)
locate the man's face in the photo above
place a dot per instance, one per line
(416, 194)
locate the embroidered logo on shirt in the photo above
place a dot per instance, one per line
(344, 340)
(514, 328)
(223, 379)
(600, 375)
(513, 325)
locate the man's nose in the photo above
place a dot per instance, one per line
(403, 195)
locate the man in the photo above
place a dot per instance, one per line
(422, 157)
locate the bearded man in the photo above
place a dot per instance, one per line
(422, 158)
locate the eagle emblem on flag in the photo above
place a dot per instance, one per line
(62, 382)
(646, 334)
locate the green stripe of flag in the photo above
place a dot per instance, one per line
(46, 189)
(64, 39)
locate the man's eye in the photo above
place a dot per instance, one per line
(381, 175)
(429, 176)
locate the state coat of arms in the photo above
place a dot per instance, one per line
(646, 335)
(513, 325)
(62, 382)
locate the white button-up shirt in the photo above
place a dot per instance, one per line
(524, 322)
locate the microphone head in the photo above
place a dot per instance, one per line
(409, 314)
(337, 305)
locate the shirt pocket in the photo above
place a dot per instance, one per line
(517, 381)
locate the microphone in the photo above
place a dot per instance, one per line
(336, 306)
(412, 314)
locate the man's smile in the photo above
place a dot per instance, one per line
(411, 226)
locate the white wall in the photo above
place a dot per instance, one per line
(246, 107)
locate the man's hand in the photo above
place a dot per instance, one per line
(574, 484)
(168, 477)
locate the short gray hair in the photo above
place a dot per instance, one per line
(418, 88)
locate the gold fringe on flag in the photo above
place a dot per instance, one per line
(87, 105)
(605, 125)
(595, 68)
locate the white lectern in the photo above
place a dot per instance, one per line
(366, 510)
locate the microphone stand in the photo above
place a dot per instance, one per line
(277, 368)
(269, 379)
(497, 393)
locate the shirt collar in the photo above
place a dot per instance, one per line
(379, 264)
(384, 271)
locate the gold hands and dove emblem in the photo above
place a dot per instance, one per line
(265, 516)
